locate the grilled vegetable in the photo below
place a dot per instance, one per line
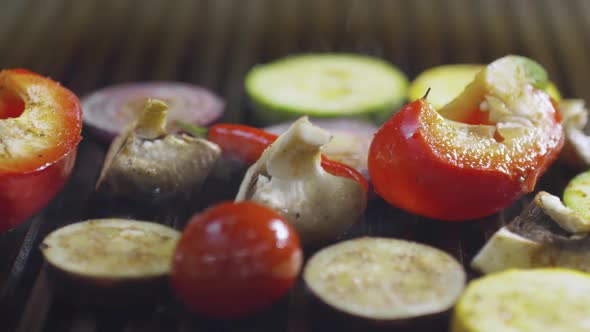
(146, 162)
(235, 259)
(383, 279)
(577, 195)
(546, 234)
(525, 301)
(112, 261)
(349, 144)
(480, 154)
(110, 110)
(448, 81)
(246, 144)
(40, 124)
(290, 179)
(326, 85)
(576, 150)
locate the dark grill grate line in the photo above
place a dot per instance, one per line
(220, 17)
(323, 25)
(393, 32)
(581, 12)
(140, 34)
(11, 302)
(35, 311)
(176, 31)
(25, 37)
(97, 56)
(29, 56)
(66, 36)
(530, 28)
(461, 35)
(571, 57)
(242, 55)
(579, 46)
(285, 28)
(10, 18)
(426, 49)
(363, 28)
(495, 29)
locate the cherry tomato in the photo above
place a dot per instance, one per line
(235, 259)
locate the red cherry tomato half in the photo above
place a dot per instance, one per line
(235, 259)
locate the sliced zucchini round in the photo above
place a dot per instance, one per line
(576, 195)
(104, 257)
(326, 85)
(383, 279)
(448, 81)
(526, 301)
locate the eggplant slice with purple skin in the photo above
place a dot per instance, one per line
(146, 162)
(385, 280)
(110, 261)
(546, 234)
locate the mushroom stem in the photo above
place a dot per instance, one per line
(152, 121)
(294, 154)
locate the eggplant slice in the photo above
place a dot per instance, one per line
(111, 258)
(546, 234)
(145, 162)
(385, 280)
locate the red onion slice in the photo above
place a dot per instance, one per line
(108, 111)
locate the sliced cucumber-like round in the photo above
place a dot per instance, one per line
(526, 301)
(385, 279)
(111, 262)
(326, 85)
(576, 195)
(448, 81)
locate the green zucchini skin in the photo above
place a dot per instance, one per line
(268, 110)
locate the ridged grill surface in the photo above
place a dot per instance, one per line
(94, 43)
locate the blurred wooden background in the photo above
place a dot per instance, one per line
(88, 44)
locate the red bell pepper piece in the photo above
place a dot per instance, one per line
(472, 162)
(248, 143)
(40, 125)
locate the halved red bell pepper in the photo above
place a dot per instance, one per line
(40, 125)
(480, 154)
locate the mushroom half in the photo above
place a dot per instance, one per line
(289, 178)
(147, 162)
(546, 234)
